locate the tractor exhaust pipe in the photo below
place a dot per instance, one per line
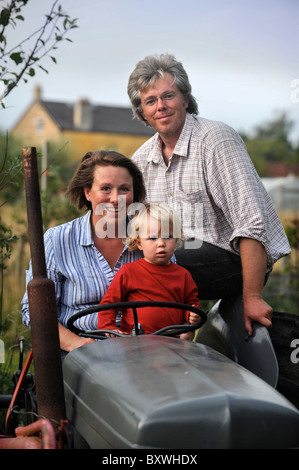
(42, 306)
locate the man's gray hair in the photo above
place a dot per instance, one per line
(148, 70)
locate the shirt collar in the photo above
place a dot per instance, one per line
(85, 235)
(182, 144)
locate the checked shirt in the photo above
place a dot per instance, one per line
(211, 182)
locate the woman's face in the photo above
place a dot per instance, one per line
(110, 195)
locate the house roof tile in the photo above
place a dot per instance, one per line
(105, 118)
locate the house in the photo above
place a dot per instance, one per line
(81, 126)
(284, 192)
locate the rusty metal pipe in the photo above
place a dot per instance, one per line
(42, 305)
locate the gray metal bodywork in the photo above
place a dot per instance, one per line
(224, 331)
(152, 392)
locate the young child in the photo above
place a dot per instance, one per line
(156, 231)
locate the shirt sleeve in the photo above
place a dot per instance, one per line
(52, 274)
(237, 190)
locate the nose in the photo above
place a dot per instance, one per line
(114, 196)
(160, 103)
(161, 242)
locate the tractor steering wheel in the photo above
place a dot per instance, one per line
(171, 330)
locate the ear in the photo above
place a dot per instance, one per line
(138, 244)
(86, 192)
(186, 101)
(141, 113)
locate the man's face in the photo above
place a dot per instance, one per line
(164, 107)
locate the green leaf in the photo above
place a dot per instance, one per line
(54, 60)
(31, 72)
(16, 57)
(43, 68)
(4, 17)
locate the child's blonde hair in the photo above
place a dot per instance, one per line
(168, 219)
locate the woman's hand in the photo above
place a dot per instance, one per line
(69, 340)
(111, 335)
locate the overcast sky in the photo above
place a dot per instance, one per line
(242, 57)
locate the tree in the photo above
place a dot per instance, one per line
(271, 143)
(20, 61)
(278, 128)
(11, 175)
(276, 134)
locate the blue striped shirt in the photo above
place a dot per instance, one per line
(79, 271)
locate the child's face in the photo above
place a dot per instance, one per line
(156, 250)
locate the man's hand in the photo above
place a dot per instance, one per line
(254, 264)
(256, 309)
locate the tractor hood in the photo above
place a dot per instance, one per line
(153, 392)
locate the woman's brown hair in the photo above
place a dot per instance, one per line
(84, 175)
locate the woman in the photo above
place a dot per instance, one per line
(83, 255)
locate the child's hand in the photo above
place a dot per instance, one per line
(194, 317)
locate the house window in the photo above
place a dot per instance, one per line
(40, 126)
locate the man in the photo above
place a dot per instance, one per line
(202, 168)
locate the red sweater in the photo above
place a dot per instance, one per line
(141, 281)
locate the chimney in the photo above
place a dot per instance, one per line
(83, 115)
(37, 93)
